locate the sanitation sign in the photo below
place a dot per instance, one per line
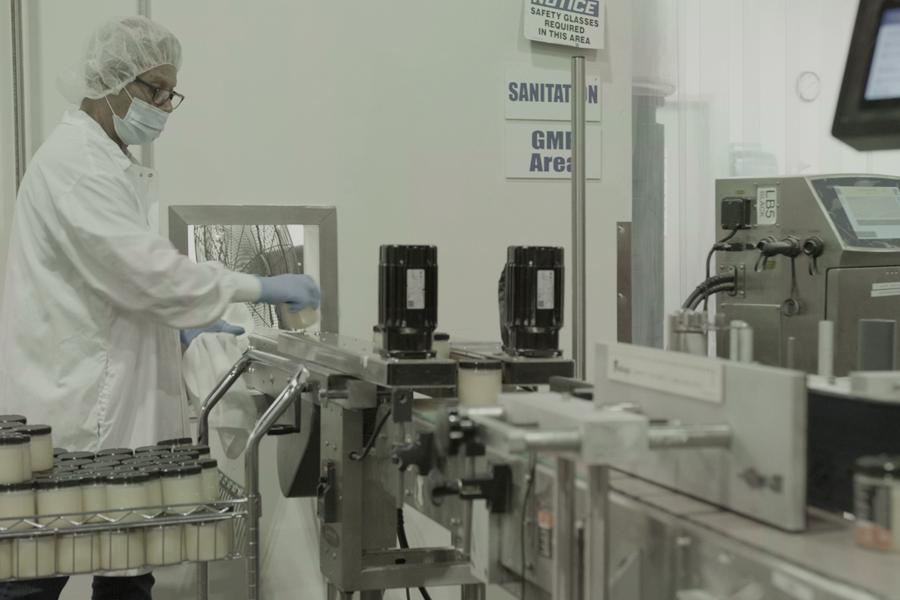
(576, 23)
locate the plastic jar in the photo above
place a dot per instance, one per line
(77, 553)
(182, 485)
(210, 477)
(165, 545)
(440, 343)
(213, 540)
(93, 494)
(202, 450)
(307, 317)
(479, 382)
(377, 338)
(16, 500)
(11, 458)
(78, 464)
(876, 501)
(175, 442)
(154, 485)
(122, 549)
(157, 449)
(41, 446)
(58, 495)
(113, 451)
(34, 557)
(128, 490)
(75, 456)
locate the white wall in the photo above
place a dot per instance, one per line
(394, 114)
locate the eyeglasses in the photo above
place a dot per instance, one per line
(161, 96)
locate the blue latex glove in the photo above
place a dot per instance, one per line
(221, 326)
(298, 291)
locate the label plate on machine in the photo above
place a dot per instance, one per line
(545, 290)
(415, 288)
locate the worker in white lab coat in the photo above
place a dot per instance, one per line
(97, 304)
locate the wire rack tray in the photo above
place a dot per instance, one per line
(116, 540)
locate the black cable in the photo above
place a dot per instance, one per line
(700, 289)
(357, 456)
(404, 543)
(528, 491)
(722, 287)
(709, 258)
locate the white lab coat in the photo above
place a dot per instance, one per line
(94, 298)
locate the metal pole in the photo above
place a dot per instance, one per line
(578, 216)
(596, 543)
(147, 158)
(251, 474)
(18, 80)
(564, 584)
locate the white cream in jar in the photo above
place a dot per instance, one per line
(209, 476)
(41, 446)
(12, 457)
(165, 545)
(122, 549)
(479, 382)
(126, 490)
(182, 485)
(213, 540)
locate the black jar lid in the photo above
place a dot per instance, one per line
(90, 477)
(883, 465)
(13, 419)
(126, 477)
(75, 455)
(200, 448)
(153, 471)
(120, 458)
(16, 487)
(100, 464)
(54, 483)
(179, 471)
(62, 469)
(79, 463)
(205, 463)
(10, 426)
(175, 442)
(58, 451)
(138, 460)
(34, 429)
(155, 448)
(99, 470)
(185, 456)
(13, 439)
(111, 451)
(480, 365)
(441, 337)
(125, 468)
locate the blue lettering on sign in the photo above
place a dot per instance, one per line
(534, 92)
(579, 7)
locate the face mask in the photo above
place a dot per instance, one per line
(142, 123)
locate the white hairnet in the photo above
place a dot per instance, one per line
(116, 53)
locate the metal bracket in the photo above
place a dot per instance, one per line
(401, 405)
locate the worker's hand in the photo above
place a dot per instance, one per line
(221, 326)
(298, 291)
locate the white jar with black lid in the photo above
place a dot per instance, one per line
(16, 501)
(182, 485)
(12, 457)
(41, 447)
(210, 477)
(56, 496)
(126, 490)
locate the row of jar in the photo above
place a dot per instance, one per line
(55, 552)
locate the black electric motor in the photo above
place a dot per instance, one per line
(407, 300)
(534, 300)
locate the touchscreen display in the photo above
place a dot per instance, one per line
(884, 74)
(873, 212)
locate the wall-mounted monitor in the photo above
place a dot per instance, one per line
(868, 110)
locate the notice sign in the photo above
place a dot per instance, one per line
(543, 150)
(576, 23)
(546, 95)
